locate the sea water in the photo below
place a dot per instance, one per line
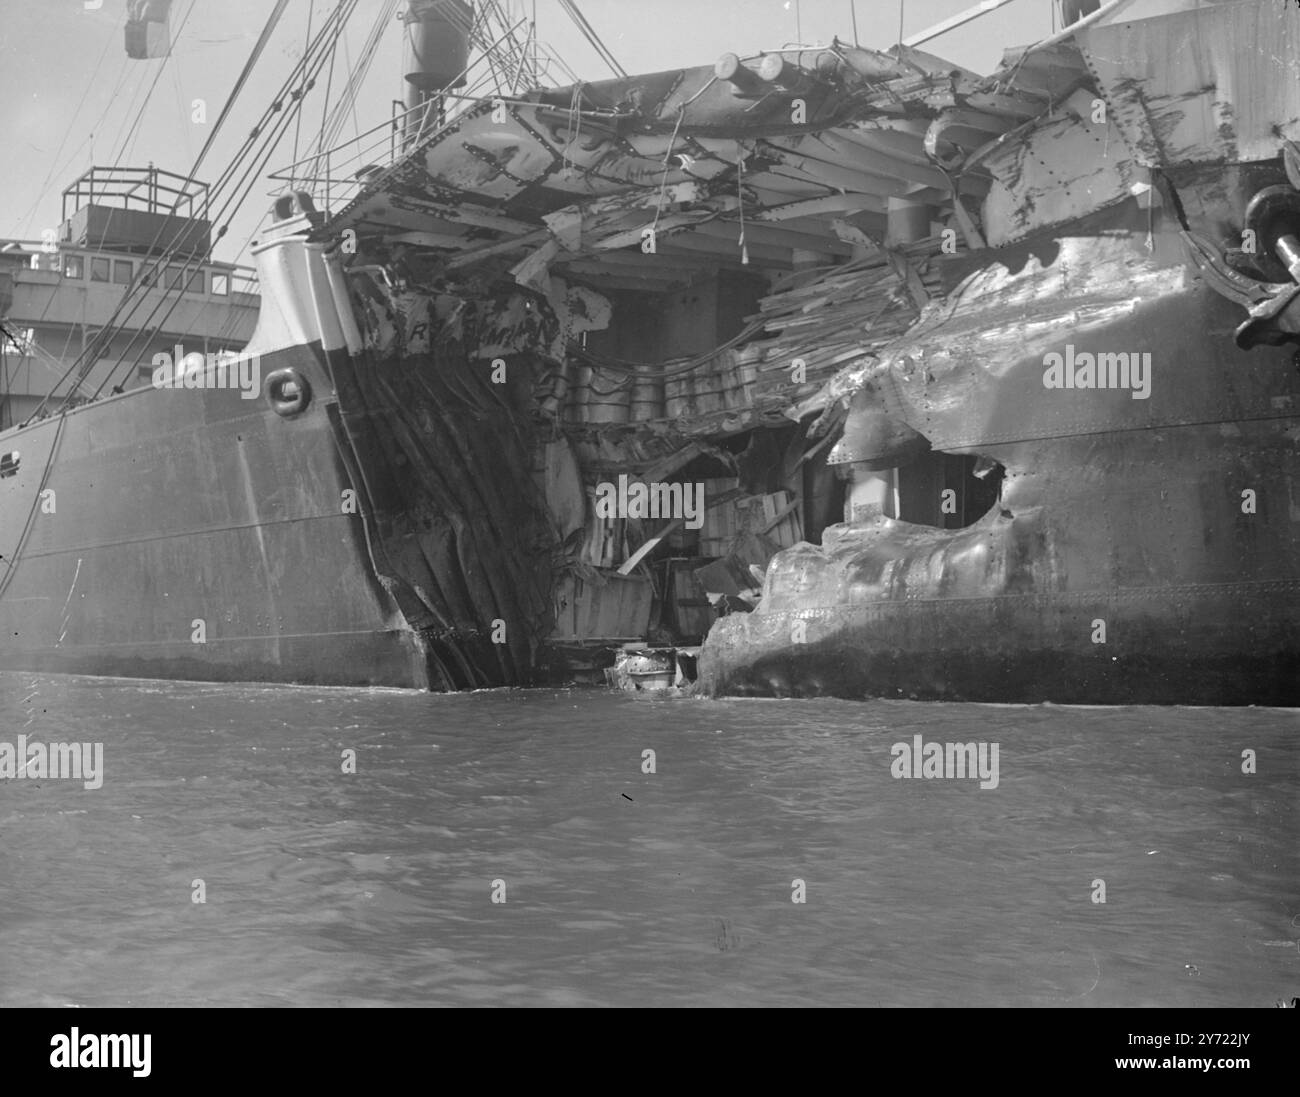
(255, 845)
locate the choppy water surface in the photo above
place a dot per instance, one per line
(623, 888)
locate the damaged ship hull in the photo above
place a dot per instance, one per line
(319, 533)
(815, 281)
(194, 535)
(1142, 550)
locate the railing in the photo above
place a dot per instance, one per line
(337, 175)
(507, 63)
(150, 188)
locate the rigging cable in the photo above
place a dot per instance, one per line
(111, 327)
(311, 10)
(253, 58)
(571, 9)
(149, 94)
(171, 249)
(180, 98)
(149, 275)
(329, 87)
(246, 181)
(242, 188)
(67, 132)
(347, 99)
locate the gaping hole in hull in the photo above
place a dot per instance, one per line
(949, 490)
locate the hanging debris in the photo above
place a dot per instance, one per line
(148, 31)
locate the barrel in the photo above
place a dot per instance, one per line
(677, 396)
(608, 398)
(708, 387)
(579, 394)
(742, 382)
(647, 397)
(725, 371)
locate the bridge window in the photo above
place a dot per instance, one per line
(72, 267)
(99, 270)
(220, 284)
(174, 278)
(195, 282)
(122, 271)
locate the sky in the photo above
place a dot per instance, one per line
(70, 97)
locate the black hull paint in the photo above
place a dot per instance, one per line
(1009, 656)
(172, 506)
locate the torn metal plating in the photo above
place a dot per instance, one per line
(939, 275)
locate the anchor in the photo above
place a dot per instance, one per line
(1273, 217)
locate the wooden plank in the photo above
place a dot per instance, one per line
(626, 567)
(666, 466)
(841, 203)
(427, 239)
(667, 225)
(823, 169)
(804, 169)
(782, 238)
(781, 515)
(842, 150)
(519, 243)
(692, 241)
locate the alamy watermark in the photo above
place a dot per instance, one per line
(1084, 370)
(921, 759)
(75, 761)
(215, 370)
(87, 1049)
(641, 500)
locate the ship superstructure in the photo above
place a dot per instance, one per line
(57, 293)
